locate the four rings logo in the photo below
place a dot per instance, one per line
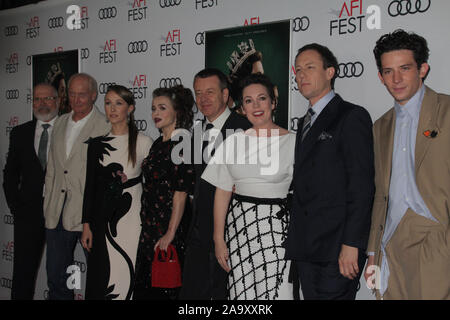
(141, 125)
(8, 219)
(169, 82)
(169, 3)
(138, 46)
(6, 283)
(12, 94)
(300, 24)
(11, 31)
(55, 22)
(350, 70)
(103, 87)
(107, 13)
(84, 53)
(200, 38)
(404, 7)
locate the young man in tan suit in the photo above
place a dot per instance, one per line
(410, 236)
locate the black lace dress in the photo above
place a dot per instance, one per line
(161, 179)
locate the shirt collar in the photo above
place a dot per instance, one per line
(322, 103)
(220, 121)
(39, 123)
(412, 107)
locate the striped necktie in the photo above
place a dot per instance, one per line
(307, 122)
(42, 149)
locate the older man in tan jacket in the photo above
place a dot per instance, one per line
(65, 179)
(409, 240)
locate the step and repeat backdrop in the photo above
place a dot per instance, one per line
(145, 44)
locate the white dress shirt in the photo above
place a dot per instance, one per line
(73, 131)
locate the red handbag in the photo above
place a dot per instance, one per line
(166, 270)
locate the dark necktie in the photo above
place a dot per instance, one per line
(307, 122)
(42, 149)
(206, 135)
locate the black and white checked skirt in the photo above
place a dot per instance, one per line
(255, 232)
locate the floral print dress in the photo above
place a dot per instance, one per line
(161, 179)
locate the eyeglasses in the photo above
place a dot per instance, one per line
(44, 99)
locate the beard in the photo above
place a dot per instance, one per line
(45, 113)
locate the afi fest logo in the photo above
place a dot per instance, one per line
(109, 53)
(138, 10)
(12, 64)
(8, 251)
(78, 17)
(351, 18)
(139, 88)
(251, 21)
(32, 30)
(172, 44)
(204, 4)
(13, 121)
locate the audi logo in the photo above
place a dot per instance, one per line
(141, 125)
(169, 3)
(84, 53)
(45, 294)
(6, 283)
(8, 219)
(169, 82)
(200, 38)
(138, 46)
(55, 22)
(12, 94)
(300, 24)
(107, 13)
(350, 70)
(103, 87)
(404, 7)
(294, 123)
(80, 265)
(11, 31)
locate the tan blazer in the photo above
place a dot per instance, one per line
(419, 251)
(66, 176)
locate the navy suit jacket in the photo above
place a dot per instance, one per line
(333, 184)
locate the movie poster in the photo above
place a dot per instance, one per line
(263, 48)
(56, 68)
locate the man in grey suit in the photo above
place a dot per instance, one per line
(65, 179)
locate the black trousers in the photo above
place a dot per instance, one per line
(29, 241)
(323, 281)
(203, 277)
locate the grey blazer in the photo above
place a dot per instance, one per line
(66, 176)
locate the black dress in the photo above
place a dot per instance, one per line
(162, 178)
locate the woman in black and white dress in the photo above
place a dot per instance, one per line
(250, 225)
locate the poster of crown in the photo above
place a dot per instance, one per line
(241, 51)
(56, 68)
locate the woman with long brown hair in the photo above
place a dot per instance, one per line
(112, 200)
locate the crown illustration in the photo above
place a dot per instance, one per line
(237, 58)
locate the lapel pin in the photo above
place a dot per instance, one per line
(430, 134)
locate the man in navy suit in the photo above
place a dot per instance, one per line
(203, 278)
(333, 183)
(23, 182)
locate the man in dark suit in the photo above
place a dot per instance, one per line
(203, 278)
(333, 183)
(23, 183)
